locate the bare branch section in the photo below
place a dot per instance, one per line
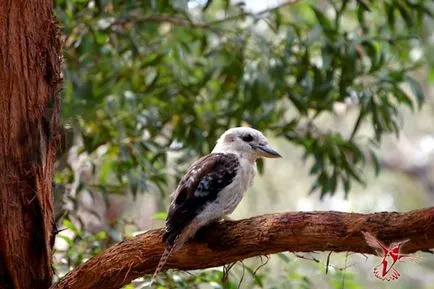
(230, 241)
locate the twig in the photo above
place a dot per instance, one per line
(328, 262)
(262, 265)
(305, 258)
(226, 269)
(242, 276)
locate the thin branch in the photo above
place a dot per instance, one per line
(179, 21)
(328, 262)
(232, 241)
(262, 265)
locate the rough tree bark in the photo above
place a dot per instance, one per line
(229, 242)
(30, 79)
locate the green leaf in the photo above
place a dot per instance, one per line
(405, 13)
(106, 169)
(317, 167)
(159, 216)
(68, 240)
(277, 19)
(68, 224)
(390, 11)
(363, 5)
(376, 162)
(347, 185)
(334, 181)
(284, 257)
(101, 235)
(402, 97)
(260, 166)
(325, 23)
(207, 4)
(416, 89)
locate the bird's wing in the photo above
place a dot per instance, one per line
(200, 185)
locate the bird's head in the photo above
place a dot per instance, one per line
(246, 142)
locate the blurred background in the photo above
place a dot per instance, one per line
(344, 90)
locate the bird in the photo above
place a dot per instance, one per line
(213, 186)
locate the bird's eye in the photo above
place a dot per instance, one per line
(247, 138)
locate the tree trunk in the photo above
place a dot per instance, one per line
(30, 79)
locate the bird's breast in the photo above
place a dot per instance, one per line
(231, 196)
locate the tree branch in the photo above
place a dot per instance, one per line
(230, 241)
(188, 23)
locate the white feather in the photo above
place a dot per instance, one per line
(229, 198)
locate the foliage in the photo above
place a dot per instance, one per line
(291, 274)
(82, 245)
(144, 79)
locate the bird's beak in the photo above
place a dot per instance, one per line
(266, 151)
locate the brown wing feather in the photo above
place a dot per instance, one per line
(200, 185)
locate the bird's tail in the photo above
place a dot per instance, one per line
(162, 262)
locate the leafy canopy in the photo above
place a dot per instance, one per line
(146, 77)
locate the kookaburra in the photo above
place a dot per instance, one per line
(213, 186)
